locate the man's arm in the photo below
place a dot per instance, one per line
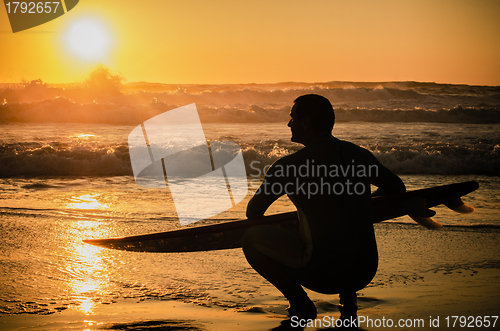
(265, 195)
(258, 205)
(386, 181)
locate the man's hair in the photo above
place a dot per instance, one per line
(318, 109)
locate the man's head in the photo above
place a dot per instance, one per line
(311, 114)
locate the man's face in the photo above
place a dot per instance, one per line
(297, 126)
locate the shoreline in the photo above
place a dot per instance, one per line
(130, 314)
(437, 295)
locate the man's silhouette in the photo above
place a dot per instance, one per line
(334, 249)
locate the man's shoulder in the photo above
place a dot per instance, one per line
(352, 149)
(349, 145)
(292, 158)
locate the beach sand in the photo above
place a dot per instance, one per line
(423, 275)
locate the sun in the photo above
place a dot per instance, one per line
(89, 39)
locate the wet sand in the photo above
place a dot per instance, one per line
(439, 296)
(423, 275)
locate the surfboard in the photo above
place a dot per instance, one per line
(228, 235)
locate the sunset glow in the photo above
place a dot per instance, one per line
(147, 145)
(262, 42)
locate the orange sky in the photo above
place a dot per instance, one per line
(266, 41)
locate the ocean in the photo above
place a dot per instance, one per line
(65, 175)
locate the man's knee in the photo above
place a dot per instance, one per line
(250, 236)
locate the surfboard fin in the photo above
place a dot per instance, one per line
(418, 211)
(426, 222)
(457, 205)
(417, 207)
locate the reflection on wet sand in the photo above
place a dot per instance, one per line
(86, 262)
(86, 201)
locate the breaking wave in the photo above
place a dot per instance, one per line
(38, 160)
(258, 103)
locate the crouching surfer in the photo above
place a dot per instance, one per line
(334, 250)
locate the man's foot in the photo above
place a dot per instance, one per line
(303, 309)
(348, 304)
(287, 325)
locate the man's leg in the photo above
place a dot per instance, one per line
(274, 253)
(348, 306)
